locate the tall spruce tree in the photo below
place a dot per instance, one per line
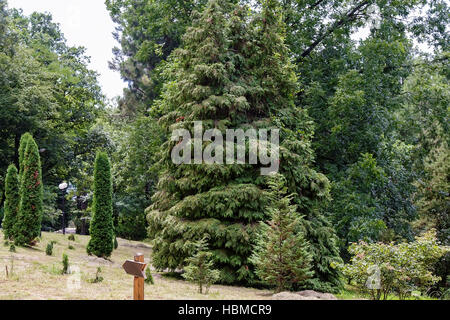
(12, 201)
(28, 225)
(231, 73)
(282, 256)
(101, 229)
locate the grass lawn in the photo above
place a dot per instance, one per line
(352, 293)
(37, 276)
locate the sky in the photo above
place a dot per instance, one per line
(84, 23)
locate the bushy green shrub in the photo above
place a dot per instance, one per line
(199, 267)
(149, 276)
(12, 248)
(382, 269)
(65, 263)
(71, 237)
(49, 249)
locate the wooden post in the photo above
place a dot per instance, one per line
(138, 291)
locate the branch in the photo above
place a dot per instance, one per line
(349, 16)
(315, 4)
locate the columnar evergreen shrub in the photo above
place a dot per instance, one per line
(49, 249)
(12, 201)
(28, 226)
(116, 244)
(65, 263)
(102, 228)
(282, 256)
(234, 73)
(22, 147)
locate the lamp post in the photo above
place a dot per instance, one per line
(63, 186)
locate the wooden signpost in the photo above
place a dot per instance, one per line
(136, 268)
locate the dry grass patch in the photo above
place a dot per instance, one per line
(37, 276)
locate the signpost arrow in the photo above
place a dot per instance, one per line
(136, 268)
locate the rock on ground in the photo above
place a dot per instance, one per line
(303, 295)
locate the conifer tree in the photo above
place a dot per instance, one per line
(231, 73)
(282, 256)
(12, 201)
(22, 146)
(102, 229)
(199, 267)
(310, 188)
(28, 225)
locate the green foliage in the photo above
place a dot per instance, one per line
(148, 274)
(102, 228)
(47, 90)
(282, 256)
(434, 191)
(148, 31)
(199, 267)
(28, 226)
(22, 147)
(98, 278)
(65, 263)
(382, 269)
(12, 248)
(71, 237)
(12, 201)
(132, 226)
(244, 80)
(362, 208)
(1, 215)
(49, 249)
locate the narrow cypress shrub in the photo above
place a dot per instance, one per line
(28, 226)
(49, 249)
(12, 201)
(22, 147)
(102, 228)
(116, 244)
(65, 263)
